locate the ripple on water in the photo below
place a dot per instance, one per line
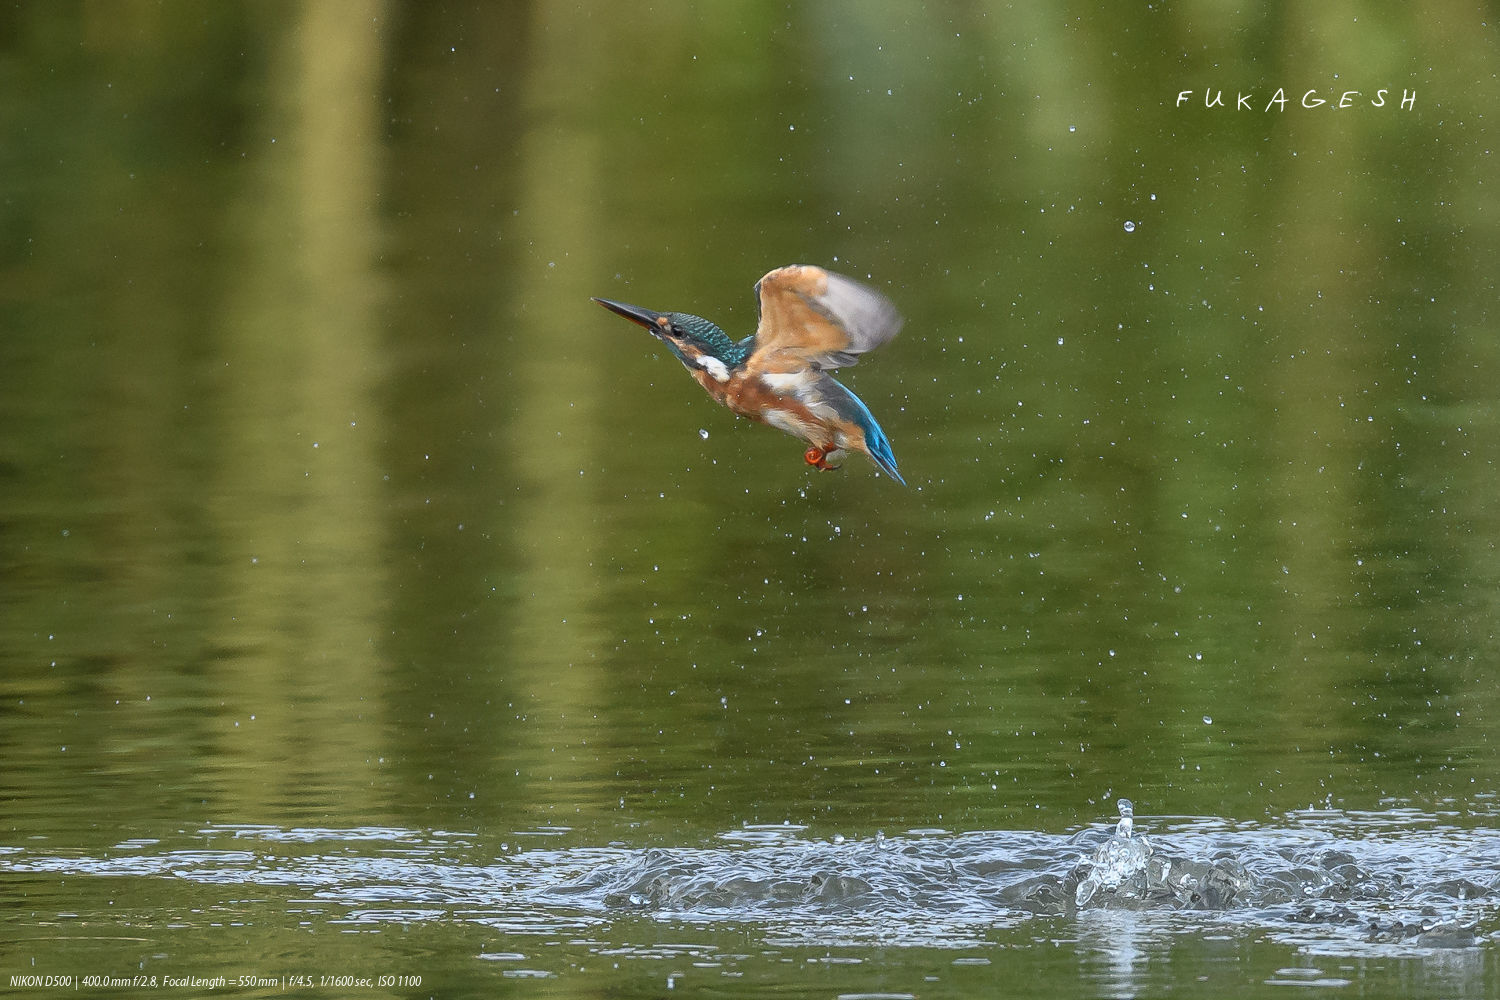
(1325, 881)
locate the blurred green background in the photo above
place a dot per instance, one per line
(327, 496)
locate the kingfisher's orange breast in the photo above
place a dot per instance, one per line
(749, 396)
(741, 392)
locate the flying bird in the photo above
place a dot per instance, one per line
(811, 321)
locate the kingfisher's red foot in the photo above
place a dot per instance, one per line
(818, 457)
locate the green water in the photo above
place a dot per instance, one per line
(329, 500)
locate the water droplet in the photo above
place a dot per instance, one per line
(1129, 226)
(703, 433)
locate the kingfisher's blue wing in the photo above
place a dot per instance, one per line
(852, 410)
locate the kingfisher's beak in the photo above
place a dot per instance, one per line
(654, 321)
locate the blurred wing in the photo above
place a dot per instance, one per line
(809, 316)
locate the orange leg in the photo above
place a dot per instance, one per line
(818, 457)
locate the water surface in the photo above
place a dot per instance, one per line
(364, 587)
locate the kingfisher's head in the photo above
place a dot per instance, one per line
(697, 342)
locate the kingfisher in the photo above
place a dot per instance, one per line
(811, 320)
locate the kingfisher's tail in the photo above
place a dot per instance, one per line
(877, 445)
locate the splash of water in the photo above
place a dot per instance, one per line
(1117, 861)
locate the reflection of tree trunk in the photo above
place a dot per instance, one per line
(554, 405)
(298, 485)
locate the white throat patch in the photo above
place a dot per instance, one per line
(713, 366)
